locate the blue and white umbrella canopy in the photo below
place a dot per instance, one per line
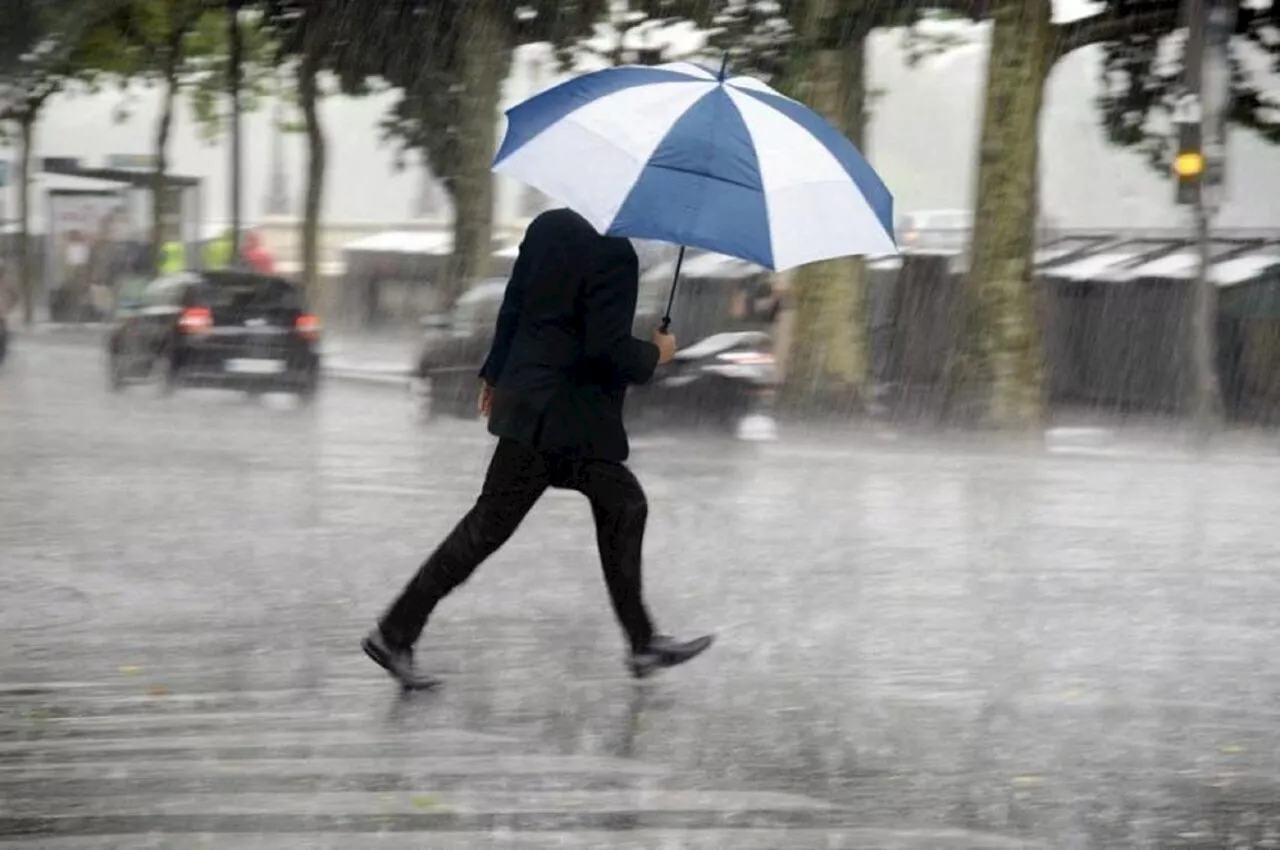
(680, 154)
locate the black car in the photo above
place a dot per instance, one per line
(231, 329)
(455, 347)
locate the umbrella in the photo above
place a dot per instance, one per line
(686, 155)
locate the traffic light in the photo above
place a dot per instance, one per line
(1189, 164)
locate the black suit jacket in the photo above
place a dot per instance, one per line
(563, 353)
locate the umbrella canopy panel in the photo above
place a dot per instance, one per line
(680, 154)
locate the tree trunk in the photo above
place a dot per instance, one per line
(26, 271)
(996, 374)
(159, 192)
(485, 61)
(235, 61)
(309, 96)
(828, 363)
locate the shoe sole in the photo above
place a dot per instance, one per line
(380, 658)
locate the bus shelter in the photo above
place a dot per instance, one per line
(98, 233)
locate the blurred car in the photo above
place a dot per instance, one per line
(231, 329)
(721, 378)
(454, 348)
(949, 231)
(935, 230)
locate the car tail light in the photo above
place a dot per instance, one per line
(747, 358)
(307, 326)
(195, 320)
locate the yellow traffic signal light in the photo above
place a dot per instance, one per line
(1190, 164)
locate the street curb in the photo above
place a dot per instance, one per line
(73, 333)
(363, 376)
(91, 334)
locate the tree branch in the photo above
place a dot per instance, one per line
(1113, 24)
(27, 105)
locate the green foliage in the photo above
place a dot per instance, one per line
(1142, 74)
(342, 37)
(209, 70)
(424, 59)
(150, 35)
(149, 42)
(644, 21)
(183, 43)
(760, 37)
(47, 45)
(921, 42)
(423, 119)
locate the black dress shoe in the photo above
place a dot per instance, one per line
(664, 651)
(397, 662)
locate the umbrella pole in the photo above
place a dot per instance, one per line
(675, 279)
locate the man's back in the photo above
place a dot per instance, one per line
(563, 353)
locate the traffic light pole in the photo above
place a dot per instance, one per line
(1206, 410)
(1206, 395)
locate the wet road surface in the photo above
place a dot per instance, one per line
(920, 645)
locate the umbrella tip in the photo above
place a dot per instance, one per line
(724, 66)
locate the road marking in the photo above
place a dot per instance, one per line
(172, 765)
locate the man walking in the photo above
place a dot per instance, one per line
(554, 384)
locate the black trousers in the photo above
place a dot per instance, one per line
(517, 478)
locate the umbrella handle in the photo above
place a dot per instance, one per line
(671, 297)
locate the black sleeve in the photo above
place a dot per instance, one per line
(508, 317)
(609, 297)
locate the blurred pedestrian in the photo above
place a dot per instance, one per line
(173, 257)
(218, 251)
(255, 254)
(553, 389)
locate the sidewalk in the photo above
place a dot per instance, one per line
(378, 359)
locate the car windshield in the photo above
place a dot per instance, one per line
(477, 309)
(241, 292)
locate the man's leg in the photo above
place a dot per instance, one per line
(517, 477)
(621, 511)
